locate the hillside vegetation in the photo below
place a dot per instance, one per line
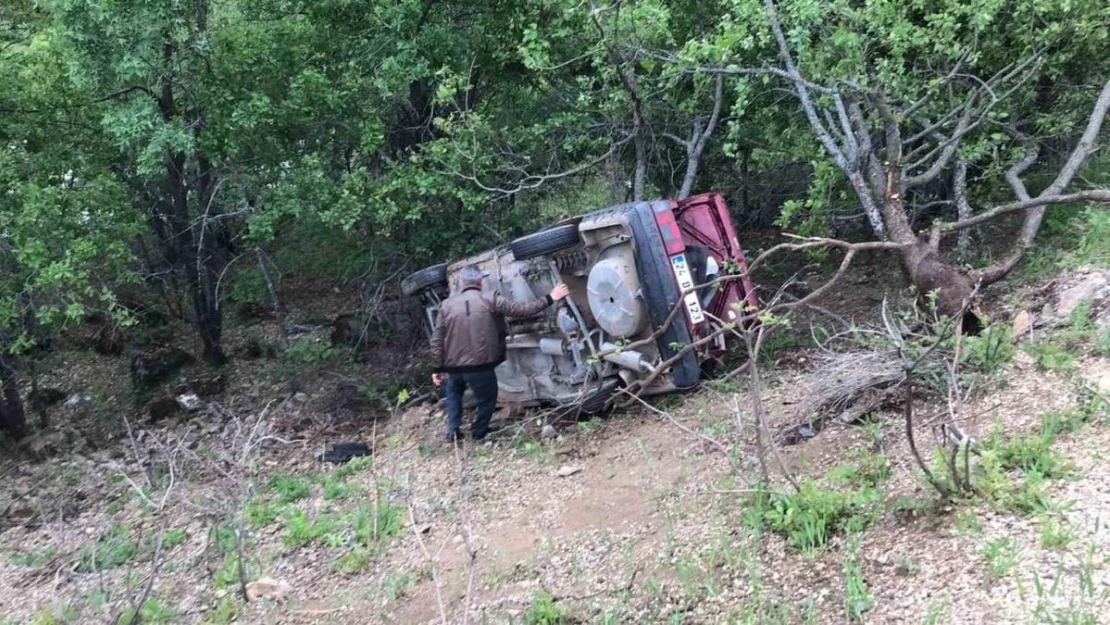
(207, 209)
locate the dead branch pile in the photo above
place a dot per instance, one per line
(846, 385)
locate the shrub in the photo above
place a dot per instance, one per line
(544, 611)
(33, 559)
(992, 350)
(354, 561)
(309, 353)
(1029, 453)
(261, 513)
(1050, 356)
(289, 489)
(227, 574)
(1030, 456)
(857, 596)
(809, 517)
(152, 612)
(373, 523)
(114, 548)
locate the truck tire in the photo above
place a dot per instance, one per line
(594, 402)
(597, 402)
(423, 279)
(545, 242)
(661, 294)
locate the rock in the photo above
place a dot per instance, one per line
(49, 444)
(163, 408)
(269, 588)
(548, 432)
(1101, 381)
(153, 367)
(567, 471)
(44, 398)
(189, 402)
(78, 400)
(296, 330)
(1022, 324)
(300, 398)
(1092, 286)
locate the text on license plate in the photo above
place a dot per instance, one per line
(686, 283)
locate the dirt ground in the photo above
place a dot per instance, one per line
(631, 519)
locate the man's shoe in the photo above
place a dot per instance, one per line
(478, 436)
(453, 437)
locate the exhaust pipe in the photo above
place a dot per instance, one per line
(628, 358)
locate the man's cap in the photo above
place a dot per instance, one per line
(471, 274)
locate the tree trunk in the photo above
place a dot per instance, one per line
(206, 268)
(929, 273)
(209, 245)
(189, 249)
(12, 417)
(921, 259)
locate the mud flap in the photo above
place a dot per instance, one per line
(661, 294)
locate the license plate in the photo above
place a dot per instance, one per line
(686, 283)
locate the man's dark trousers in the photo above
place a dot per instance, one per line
(484, 386)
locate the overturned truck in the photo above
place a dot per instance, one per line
(628, 267)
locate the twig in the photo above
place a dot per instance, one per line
(468, 535)
(431, 563)
(755, 384)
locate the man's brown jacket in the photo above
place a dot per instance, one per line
(470, 331)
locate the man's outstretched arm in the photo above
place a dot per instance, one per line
(509, 308)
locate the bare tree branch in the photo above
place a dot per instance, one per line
(1079, 155)
(802, 88)
(1093, 195)
(628, 80)
(1013, 175)
(696, 146)
(533, 181)
(963, 208)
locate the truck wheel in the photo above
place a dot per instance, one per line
(598, 401)
(425, 278)
(545, 242)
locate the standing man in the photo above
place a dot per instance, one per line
(469, 342)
